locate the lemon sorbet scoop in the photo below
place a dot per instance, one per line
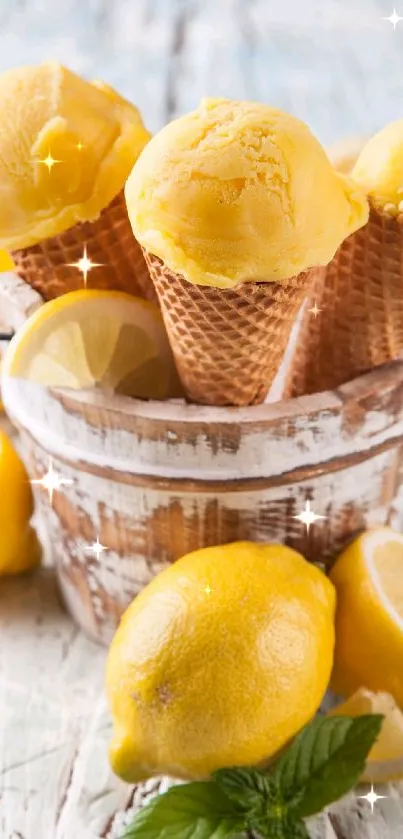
(239, 191)
(66, 148)
(379, 169)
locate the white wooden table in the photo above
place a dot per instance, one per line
(339, 66)
(55, 782)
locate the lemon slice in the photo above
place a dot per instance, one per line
(91, 338)
(368, 577)
(385, 760)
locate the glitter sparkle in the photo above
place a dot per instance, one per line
(394, 19)
(85, 265)
(96, 549)
(315, 311)
(80, 146)
(308, 517)
(51, 481)
(372, 797)
(208, 590)
(49, 161)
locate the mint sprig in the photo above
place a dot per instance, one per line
(191, 811)
(325, 760)
(322, 764)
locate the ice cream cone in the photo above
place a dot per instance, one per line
(355, 319)
(359, 324)
(52, 266)
(235, 206)
(228, 343)
(67, 147)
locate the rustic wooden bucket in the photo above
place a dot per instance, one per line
(153, 481)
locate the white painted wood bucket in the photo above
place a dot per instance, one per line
(155, 480)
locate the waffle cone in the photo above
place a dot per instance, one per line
(108, 240)
(360, 325)
(228, 343)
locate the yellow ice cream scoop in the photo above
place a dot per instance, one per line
(238, 191)
(379, 168)
(66, 149)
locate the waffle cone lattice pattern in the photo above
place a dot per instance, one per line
(109, 241)
(360, 325)
(228, 343)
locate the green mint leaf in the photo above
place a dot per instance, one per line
(191, 811)
(248, 788)
(265, 814)
(324, 762)
(285, 827)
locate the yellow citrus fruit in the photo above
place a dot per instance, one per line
(385, 760)
(368, 578)
(1, 404)
(6, 261)
(19, 546)
(219, 661)
(89, 338)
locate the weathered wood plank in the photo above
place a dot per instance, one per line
(55, 781)
(50, 679)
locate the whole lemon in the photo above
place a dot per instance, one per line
(19, 546)
(219, 661)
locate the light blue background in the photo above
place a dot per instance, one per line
(335, 63)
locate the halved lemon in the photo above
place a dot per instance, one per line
(368, 578)
(90, 338)
(385, 760)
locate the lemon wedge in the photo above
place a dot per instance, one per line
(368, 577)
(91, 338)
(385, 760)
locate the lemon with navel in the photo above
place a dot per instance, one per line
(19, 546)
(385, 760)
(219, 661)
(368, 577)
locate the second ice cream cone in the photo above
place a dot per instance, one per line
(228, 343)
(354, 321)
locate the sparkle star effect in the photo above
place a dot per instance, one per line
(51, 481)
(372, 797)
(308, 517)
(208, 590)
(85, 265)
(315, 311)
(80, 146)
(394, 19)
(96, 549)
(49, 161)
